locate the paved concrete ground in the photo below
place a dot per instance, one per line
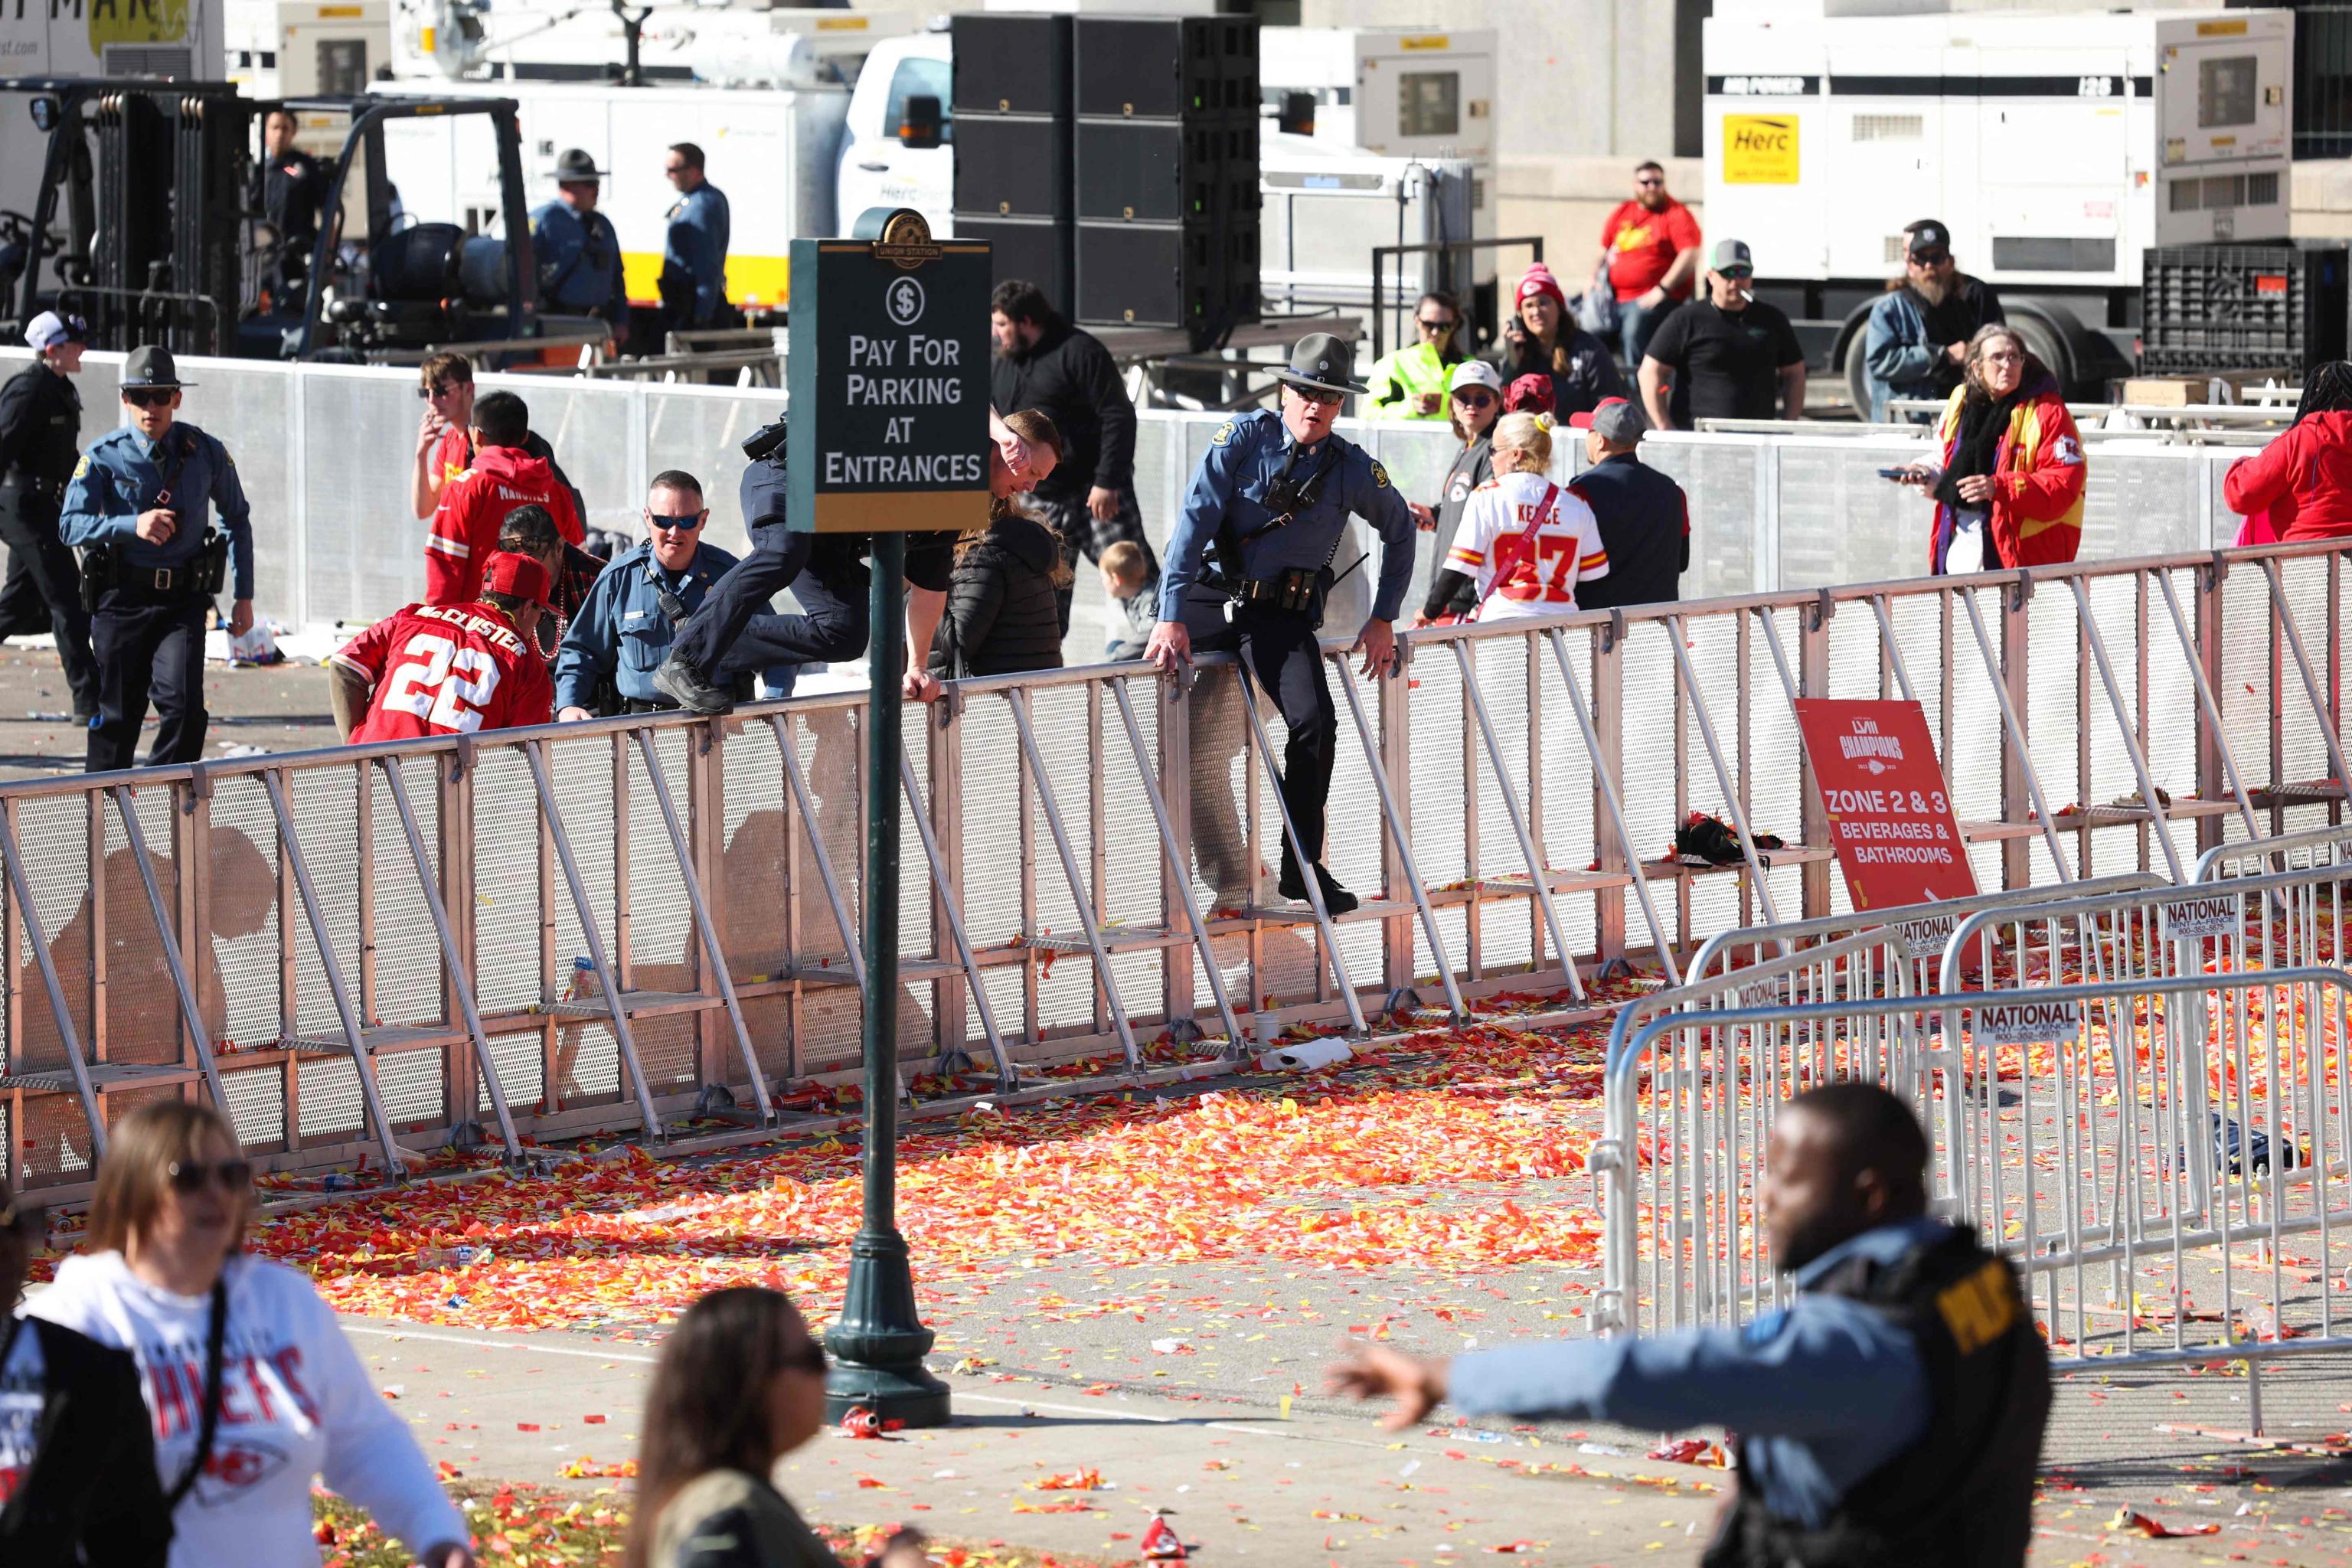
(283, 708)
(1256, 1466)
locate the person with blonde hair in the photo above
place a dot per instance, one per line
(251, 1386)
(1524, 543)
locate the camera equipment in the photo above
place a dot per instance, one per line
(764, 440)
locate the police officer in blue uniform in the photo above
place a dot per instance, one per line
(1270, 507)
(579, 254)
(624, 631)
(151, 567)
(694, 256)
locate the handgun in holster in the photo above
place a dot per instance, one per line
(97, 569)
(211, 571)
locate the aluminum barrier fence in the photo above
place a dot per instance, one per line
(2149, 1228)
(615, 924)
(326, 451)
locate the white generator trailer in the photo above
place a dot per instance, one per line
(2058, 145)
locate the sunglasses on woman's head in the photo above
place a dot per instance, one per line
(191, 1175)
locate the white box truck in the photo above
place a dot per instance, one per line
(2057, 145)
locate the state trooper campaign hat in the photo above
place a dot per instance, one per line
(575, 166)
(1324, 362)
(151, 366)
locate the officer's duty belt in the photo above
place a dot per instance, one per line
(1294, 589)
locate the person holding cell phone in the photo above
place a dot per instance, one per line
(2008, 491)
(251, 1386)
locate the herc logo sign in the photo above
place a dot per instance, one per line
(1760, 148)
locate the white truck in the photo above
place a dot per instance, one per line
(2057, 145)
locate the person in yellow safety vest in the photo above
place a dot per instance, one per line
(1411, 383)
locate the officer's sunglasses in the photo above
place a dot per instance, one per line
(1318, 395)
(147, 397)
(680, 523)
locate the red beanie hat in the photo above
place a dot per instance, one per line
(1539, 280)
(1530, 393)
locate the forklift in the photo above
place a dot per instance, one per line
(158, 243)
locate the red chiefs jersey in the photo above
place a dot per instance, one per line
(465, 528)
(447, 670)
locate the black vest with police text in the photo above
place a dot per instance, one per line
(1962, 1496)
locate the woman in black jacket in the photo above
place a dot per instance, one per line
(78, 1480)
(1002, 615)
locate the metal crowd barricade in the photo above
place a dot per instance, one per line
(649, 923)
(2170, 1182)
(2285, 851)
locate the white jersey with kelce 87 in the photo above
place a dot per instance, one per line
(1527, 543)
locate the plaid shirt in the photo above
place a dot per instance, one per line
(569, 591)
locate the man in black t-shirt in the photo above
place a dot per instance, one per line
(1724, 356)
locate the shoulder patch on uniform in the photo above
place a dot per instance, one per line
(1224, 434)
(1380, 475)
(83, 467)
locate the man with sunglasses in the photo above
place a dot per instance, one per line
(136, 506)
(78, 1478)
(1916, 341)
(1724, 356)
(1272, 498)
(623, 634)
(694, 255)
(40, 442)
(1649, 252)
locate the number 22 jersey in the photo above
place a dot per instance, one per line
(447, 670)
(1526, 544)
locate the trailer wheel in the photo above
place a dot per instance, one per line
(2046, 342)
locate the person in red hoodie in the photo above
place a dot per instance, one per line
(464, 527)
(2300, 486)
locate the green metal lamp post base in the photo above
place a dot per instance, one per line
(878, 1342)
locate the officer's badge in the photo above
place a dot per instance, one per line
(1380, 475)
(1224, 434)
(81, 468)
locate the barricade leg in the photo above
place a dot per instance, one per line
(20, 888)
(2019, 752)
(1538, 874)
(355, 1036)
(1613, 804)
(702, 925)
(1179, 876)
(461, 982)
(616, 1006)
(1007, 1078)
(1081, 894)
(199, 1039)
(1290, 831)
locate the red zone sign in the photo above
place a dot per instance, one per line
(1890, 819)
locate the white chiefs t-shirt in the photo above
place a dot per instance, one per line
(296, 1401)
(1527, 543)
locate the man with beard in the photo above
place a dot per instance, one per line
(1649, 248)
(1918, 339)
(1043, 362)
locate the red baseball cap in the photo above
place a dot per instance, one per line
(508, 573)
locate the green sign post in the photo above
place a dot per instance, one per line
(889, 376)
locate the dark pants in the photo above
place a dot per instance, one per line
(732, 633)
(1084, 533)
(147, 649)
(44, 595)
(1280, 648)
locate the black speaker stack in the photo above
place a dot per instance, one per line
(1113, 162)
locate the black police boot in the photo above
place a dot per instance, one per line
(684, 685)
(1337, 900)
